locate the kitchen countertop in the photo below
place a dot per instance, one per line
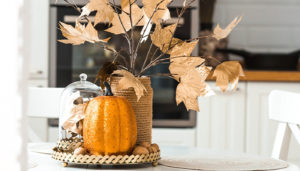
(271, 76)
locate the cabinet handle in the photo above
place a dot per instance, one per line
(40, 72)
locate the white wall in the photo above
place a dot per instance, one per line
(13, 68)
(268, 25)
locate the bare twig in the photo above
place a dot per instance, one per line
(159, 61)
(125, 31)
(77, 9)
(170, 46)
(116, 53)
(73, 5)
(132, 37)
(118, 7)
(147, 25)
(148, 54)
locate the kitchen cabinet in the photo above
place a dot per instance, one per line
(38, 127)
(39, 39)
(238, 121)
(221, 120)
(38, 83)
(38, 61)
(261, 130)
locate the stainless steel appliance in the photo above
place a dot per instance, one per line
(67, 62)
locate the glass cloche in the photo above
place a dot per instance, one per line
(72, 104)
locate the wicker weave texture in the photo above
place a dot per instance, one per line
(105, 160)
(69, 144)
(142, 108)
(60, 154)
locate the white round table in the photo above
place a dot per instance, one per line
(39, 160)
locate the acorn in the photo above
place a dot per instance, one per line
(139, 150)
(156, 147)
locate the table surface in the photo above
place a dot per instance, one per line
(44, 162)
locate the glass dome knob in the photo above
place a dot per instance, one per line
(83, 77)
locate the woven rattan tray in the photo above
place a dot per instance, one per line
(60, 153)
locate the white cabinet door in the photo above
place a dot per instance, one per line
(37, 126)
(221, 120)
(38, 83)
(260, 129)
(39, 14)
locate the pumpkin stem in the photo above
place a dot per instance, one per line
(108, 91)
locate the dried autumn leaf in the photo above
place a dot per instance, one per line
(183, 49)
(72, 123)
(220, 33)
(179, 66)
(128, 80)
(125, 3)
(162, 12)
(228, 72)
(191, 86)
(79, 34)
(161, 37)
(104, 11)
(137, 20)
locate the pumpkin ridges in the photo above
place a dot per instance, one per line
(95, 129)
(111, 126)
(126, 125)
(133, 124)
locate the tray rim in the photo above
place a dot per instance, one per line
(106, 160)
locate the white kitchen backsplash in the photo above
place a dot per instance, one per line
(267, 25)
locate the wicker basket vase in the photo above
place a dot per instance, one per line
(142, 108)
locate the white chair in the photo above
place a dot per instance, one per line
(42, 103)
(284, 107)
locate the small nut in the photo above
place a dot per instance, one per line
(139, 150)
(155, 146)
(150, 149)
(80, 150)
(145, 144)
(154, 149)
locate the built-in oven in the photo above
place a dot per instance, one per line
(67, 61)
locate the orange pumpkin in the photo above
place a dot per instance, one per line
(109, 126)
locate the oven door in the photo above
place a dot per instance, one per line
(67, 62)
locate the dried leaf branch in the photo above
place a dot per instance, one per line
(168, 49)
(171, 43)
(143, 35)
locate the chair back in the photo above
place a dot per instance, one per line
(284, 107)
